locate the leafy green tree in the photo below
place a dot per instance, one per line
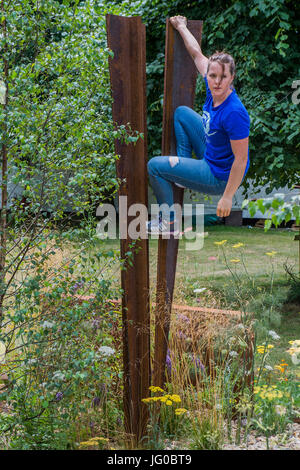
(276, 208)
(58, 163)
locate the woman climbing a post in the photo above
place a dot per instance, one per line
(219, 139)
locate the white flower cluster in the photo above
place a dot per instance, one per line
(274, 335)
(106, 351)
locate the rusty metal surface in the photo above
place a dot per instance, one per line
(179, 89)
(126, 38)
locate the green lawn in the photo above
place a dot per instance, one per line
(206, 266)
(256, 242)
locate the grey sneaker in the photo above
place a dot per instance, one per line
(160, 226)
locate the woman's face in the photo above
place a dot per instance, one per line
(219, 81)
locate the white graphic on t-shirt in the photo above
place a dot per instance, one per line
(206, 123)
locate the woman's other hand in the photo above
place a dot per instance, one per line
(178, 21)
(224, 207)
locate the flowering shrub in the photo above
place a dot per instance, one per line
(276, 209)
(276, 392)
(61, 357)
(98, 442)
(58, 163)
(294, 350)
(165, 415)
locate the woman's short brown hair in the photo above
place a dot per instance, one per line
(222, 58)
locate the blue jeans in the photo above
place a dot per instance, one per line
(183, 170)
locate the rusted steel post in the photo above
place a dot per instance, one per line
(179, 89)
(127, 39)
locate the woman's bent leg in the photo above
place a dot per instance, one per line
(189, 132)
(183, 170)
(187, 172)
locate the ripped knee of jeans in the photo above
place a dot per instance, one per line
(173, 161)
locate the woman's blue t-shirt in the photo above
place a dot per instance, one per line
(228, 121)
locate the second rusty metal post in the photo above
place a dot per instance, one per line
(179, 89)
(126, 38)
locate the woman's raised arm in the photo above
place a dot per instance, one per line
(191, 44)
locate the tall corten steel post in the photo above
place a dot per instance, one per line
(127, 39)
(179, 89)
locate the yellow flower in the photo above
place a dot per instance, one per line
(88, 443)
(235, 260)
(238, 245)
(295, 342)
(221, 242)
(293, 351)
(180, 411)
(176, 398)
(271, 253)
(93, 442)
(99, 439)
(156, 389)
(263, 348)
(151, 399)
(268, 392)
(146, 400)
(170, 399)
(164, 398)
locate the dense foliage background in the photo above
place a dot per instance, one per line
(263, 37)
